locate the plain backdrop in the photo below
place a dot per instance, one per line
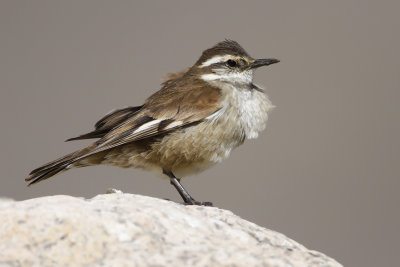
(326, 170)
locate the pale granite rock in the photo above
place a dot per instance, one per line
(131, 230)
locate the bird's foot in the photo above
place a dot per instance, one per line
(198, 203)
(113, 191)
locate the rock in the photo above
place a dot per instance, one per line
(131, 230)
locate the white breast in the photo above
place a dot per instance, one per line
(247, 108)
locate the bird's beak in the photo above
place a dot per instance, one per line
(263, 62)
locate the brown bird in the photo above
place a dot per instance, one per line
(192, 123)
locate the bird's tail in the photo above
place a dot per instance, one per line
(57, 166)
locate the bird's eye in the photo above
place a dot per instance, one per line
(231, 63)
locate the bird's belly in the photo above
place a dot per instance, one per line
(198, 147)
(184, 152)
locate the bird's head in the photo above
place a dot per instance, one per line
(228, 62)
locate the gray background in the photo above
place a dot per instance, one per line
(326, 170)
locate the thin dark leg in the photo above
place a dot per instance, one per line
(182, 191)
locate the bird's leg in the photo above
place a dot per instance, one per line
(182, 191)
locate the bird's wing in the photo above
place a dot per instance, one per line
(163, 112)
(108, 122)
(115, 117)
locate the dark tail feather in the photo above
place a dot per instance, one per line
(37, 177)
(94, 134)
(48, 170)
(52, 168)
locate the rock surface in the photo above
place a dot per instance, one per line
(132, 230)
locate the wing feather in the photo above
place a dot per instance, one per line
(108, 122)
(162, 114)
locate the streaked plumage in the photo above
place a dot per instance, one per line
(193, 122)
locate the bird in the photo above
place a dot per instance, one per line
(193, 122)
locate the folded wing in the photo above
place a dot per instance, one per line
(108, 122)
(160, 116)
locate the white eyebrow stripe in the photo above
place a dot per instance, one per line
(146, 126)
(215, 59)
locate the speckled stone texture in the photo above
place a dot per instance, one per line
(131, 230)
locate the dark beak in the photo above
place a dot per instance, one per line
(263, 62)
